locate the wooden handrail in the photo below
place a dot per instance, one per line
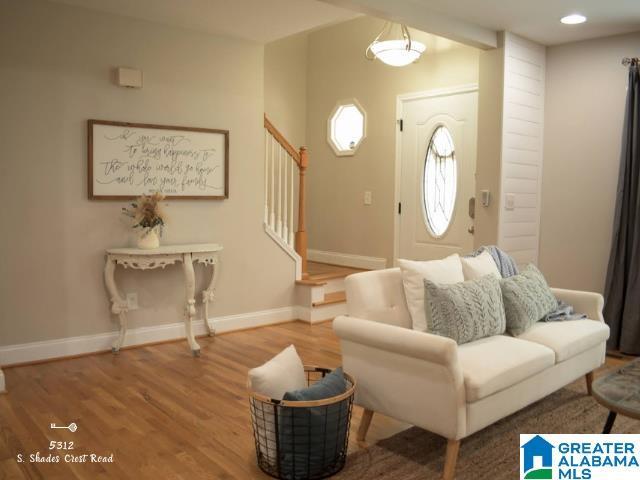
(281, 140)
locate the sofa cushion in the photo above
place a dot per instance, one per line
(465, 311)
(495, 363)
(567, 338)
(527, 299)
(448, 270)
(479, 266)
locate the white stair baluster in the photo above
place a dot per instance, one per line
(279, 200)
(272, 216)
(267, 138)
(285, 228)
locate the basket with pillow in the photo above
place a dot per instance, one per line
(300, 416)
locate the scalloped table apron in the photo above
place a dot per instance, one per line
(139, 259)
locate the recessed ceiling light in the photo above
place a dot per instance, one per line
(573, 19)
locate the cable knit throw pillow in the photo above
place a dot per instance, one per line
(465, 311)
(527, 299)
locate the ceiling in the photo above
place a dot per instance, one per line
(257, 20)
(539, 20)
(471, 21)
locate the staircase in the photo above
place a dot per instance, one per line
(321, 296)
(320, 291)
(282, 162)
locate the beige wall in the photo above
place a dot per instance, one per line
(55, 66)
(488, 165)
(586, 88)
(285, 86)
(338, 220)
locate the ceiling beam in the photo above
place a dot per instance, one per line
(422, 18)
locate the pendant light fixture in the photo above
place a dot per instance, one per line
(398, 51)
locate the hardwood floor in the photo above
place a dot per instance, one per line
(162, 413)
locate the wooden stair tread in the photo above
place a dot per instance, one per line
(311, 283)
(323, 271)
(328, 276)
(330, 298)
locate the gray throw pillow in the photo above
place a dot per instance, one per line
(310, 438)
(527, 299)
(465, 311)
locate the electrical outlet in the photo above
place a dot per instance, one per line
(132, 301)
(368, 198)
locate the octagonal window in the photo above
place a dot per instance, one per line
(346, 127)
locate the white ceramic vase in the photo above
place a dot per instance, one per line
(148, 239)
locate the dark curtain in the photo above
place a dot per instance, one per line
(622, 289)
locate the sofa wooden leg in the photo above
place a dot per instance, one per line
(589, 378)
(367, 415)
(450, 459)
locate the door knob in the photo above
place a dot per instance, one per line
(471, 229)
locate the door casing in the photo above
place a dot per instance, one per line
(440, 92)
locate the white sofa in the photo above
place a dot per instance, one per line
(455, 390)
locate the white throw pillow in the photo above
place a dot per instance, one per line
(447, 271)
(476, 267)
(281, 374)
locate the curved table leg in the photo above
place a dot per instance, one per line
(208, 295)
(190, 304)
(118, 304)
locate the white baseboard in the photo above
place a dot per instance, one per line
(321, 313)
(3, 388)
(347, 260)
(64, 347)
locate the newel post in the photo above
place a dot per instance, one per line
(301, 234)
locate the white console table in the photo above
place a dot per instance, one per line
(139, 259)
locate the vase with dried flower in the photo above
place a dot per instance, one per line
(147, 215)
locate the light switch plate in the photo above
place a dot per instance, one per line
(485, 197)
(368, 197)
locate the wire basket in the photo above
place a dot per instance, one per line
(302, 440)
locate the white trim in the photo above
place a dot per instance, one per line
(63, 347)
(407, 97)
(438, 92)
(287, 249)
(347, 260)
(3, 389)
(322, 312)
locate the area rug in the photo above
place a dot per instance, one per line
(492, 453)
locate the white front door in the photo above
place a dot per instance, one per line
(437, 178)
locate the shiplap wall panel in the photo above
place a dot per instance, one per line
(519, 157)
(523, 257)
(520, 229)
(519, 186)
(520, 214)
(518, 170)
(522, 127)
